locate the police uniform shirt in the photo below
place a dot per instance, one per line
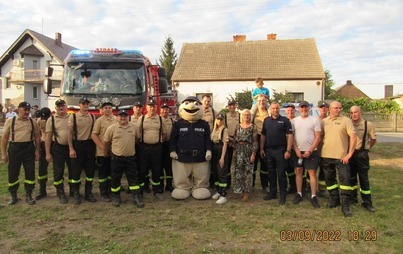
(22, 129)
(167, 123)
(259, 119)
(371, 134)
(232, 122)
(42, 127)
(134, 119)
(122, 138)
(275, 130)
(100, 126)
(84, 125)
(216, 134)
(150, 127)
(61, 127)
(336, 137)
(208, 116)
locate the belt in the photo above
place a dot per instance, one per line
(150, 145)
(194, 153)
(83, 141)
(121, 157)
(217, 143)
(21, 143)
(275, 147)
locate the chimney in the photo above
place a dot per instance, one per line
(271, 37)
(388, 91)
(348, 83)
(58, 39)
(239, 38)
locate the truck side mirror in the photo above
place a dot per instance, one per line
(47, 86)
(49, 72)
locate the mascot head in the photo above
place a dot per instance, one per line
(191, 109)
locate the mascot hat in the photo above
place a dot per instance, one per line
(191, 98)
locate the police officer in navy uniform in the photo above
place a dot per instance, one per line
(23, 135)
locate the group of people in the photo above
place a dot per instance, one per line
(138, 145)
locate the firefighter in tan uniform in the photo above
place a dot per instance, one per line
(57, 147)
(166, 159)
(120, 141)
(152, 134)
(103, 162)
(137, 107)
(82, 150)
(232, 120)
(23, 136)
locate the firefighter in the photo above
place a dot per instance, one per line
(23, 135)
(57, 147)
(103, 162)
(292, 186)
(119, 144)
(82, 150)
(166, 159)
(137, 107)
(232, 120)
(43, 115)
(359, 162)
(152, 133)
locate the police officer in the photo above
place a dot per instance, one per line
(82, 150)
(57, 147)
(166, 159)
(152, 134)
(23, 135)
(103, 162)
(359, 162)
(43, 115)
(232, 120)
(120, 141)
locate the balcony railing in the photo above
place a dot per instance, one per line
(32, 75)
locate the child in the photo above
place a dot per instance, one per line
(219, 165)
(256, 92)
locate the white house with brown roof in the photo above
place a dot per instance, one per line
(223, 68)
(22, 68)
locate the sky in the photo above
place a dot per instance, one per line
(358, 40)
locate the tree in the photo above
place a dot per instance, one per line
(328, 84)
(283, 97)
(244, 99)
(168, 58)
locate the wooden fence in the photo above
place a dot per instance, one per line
(391, 122)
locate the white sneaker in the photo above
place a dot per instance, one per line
(222, 200)
(216, 195)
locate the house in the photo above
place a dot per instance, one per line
(22, 68)
(350, 91)
(223, 68)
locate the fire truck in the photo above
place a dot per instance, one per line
(111, 75)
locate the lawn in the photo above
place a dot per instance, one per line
(193, 226)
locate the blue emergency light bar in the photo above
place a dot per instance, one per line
(104, 51)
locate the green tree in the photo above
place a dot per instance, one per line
(243, 98)
(329, 83)
(283, 97)
(168, 58)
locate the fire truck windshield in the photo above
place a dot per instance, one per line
(103, 78)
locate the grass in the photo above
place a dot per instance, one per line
(193, 226)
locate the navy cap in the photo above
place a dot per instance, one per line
(24, 104)
(191, 98)
(83, 100)
(323, 104)
(106, 103)
(123, 112)
(231, 102)
(290, 105)
(151, 102)
(220, 116)
(304, 104)
(60, 101)
(164, 105)
(137, 104)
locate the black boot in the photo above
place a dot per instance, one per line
(345, 208)
(76, 193)
(137, 201)
(28, 198)
(169, 186)
(354, 197)
(71, 190)
(61, 195)
(292, 188)
(42, 190)
(103, 188)
(13, 198)
(88, 192)
(116, 199)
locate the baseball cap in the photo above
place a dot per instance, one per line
(231, 102)
(290, 105)
(59, 101)
(151, 102)
(304, 103)
(24, 104)
(164, 105)
(220, 116)
(138, 104)
(191, 98)
(83, 100)
(123, 112)
(323, 104)
(106, 103)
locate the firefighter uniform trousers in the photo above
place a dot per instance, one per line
(21, 153)
(85, 151)
(359, 165)
(263, 170)
(219, 173)
(120, 164)
(61, 157)
(43, 166)
(151, 158)
(166, 166)
(330, 166)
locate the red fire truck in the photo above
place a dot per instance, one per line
(111, 75)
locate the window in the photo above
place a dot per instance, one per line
(200, 95)
(298, 96)
(35, 92)
(35, 65)
(5, 82)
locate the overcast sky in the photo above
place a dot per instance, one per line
(359, 40)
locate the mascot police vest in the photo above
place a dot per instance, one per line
(190, 148)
